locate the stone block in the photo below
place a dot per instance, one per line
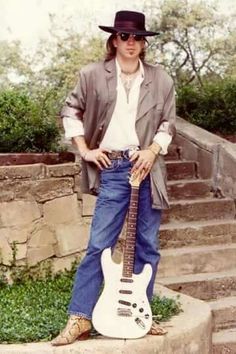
(62, 170)
(17, 234)
(210, 232)
(189, 189)
(39, 190)
(189, 151)
(199, 209)
(22, 171)
(6, 193)
(5, 251)
(41, 235)
(18, 213)
(205, 161)
(38, 254)
(62, 210)
(226, 170)
(204, 157)
(181, 170)
(47, 189)
(21, 251)
(204, 286)
(71, 238)
(224, 313)
(192, 260)
(62, 263)
(88, 204)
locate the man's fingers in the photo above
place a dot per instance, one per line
(99, 165)
(106, 160)
(134, 156)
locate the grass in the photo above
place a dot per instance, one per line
(36, 310)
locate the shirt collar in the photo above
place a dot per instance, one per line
(141, 69)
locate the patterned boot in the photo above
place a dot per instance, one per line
(77, 328)
(157, 330)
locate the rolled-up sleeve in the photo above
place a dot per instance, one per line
(72, 127)
(167, 130)
(75, 103)
(163, 138)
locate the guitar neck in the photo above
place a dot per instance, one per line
(130, 241)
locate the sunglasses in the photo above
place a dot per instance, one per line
(125, 36)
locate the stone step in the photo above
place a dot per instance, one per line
(189, 189)
(223, 313)
(199, 209)
(174, 152)
(200, 259)
(181, 170)
(197, 233)
(204, 286)
(224, 342)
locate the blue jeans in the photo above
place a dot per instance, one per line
(109, 216)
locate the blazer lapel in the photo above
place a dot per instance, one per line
(111, 80)
(146, 100)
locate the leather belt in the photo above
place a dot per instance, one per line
(118, 154)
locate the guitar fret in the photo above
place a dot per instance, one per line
(129, 248)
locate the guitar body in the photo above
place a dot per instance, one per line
(123, 310)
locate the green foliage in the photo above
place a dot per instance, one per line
(34, 310)
(164, 308)
(196, 39)
(33, 307)
(212, 107)
(27, 124)
(13, 63)
(67, 58)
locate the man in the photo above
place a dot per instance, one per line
(121, 117)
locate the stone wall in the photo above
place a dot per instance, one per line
(44, 212)
(216, 156)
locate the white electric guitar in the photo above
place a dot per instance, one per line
(123, 310)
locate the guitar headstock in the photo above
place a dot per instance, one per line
(135, 180)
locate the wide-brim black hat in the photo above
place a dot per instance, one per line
(129, 22)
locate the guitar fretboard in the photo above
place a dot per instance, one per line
(129, 250)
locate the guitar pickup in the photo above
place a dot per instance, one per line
(126, 303)
(126, 280)
(125, 292)
(124, 312)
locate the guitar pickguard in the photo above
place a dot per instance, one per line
(123, 310)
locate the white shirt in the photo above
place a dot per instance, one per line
(121, 132)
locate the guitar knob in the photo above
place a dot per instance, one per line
(147, 316)
(134, 305)
(141, 309)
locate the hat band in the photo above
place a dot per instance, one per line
(129, 25)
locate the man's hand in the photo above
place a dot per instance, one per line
(98, 157)
(143, 162)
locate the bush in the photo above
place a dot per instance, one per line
(26, 123)
(212, 107)
(35, 310)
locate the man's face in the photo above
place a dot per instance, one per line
(128, 46)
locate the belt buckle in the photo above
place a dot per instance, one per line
(114, 155)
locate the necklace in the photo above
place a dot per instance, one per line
(128, 79)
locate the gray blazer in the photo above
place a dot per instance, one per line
(93, 101)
